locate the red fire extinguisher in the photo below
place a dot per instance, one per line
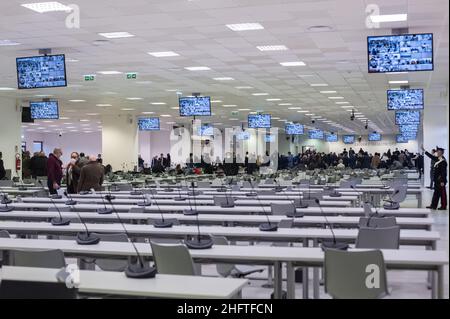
(18, 162)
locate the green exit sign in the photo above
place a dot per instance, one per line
(234, 113)
(89, 77)
(131, 76)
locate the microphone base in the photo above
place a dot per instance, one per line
(22, 188)
(335, 194)
(252, 194)
(144, 204)
(169, 190)
(6, 201)
(60, 222)
(393, 206)
(268, 227)
(295, 215)
(138, 271)
(105, 211)
(200, 242)
(110, 197)
(333, 245)
(162, 224)
(179, 199)
(196, 193)
(279, 189)
(87, 239)
(55, 196)
(225, 205)
(136, 193)
(71, 203)
(302, 205)
(190, 212)
(222, 190)
(6, 209)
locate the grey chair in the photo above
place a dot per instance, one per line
(355, 274)
(377, 222)
(398, 196)
(39, 259)
(230, 270)
(172, 259)
(6, 183)
(378, 238)
(205, 184)
(4, 234)
(112, 264)
(124, 187)
(223, 201)
(283, 209)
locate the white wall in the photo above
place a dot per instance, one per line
(153, 143)
(10, 129)
(387, 142)
(88, 143)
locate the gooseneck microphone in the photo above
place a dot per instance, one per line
(278, 187)
(199, 241)
(70, 202)
(293, 214)
(334, 244)
(105, 210)
(179, 198)
(22, 186)
(5, 201)
(59, 221)
(265, 226)
(300, 203)
(191, 212)
(252, 193)
(230, 200)
(163, 223)
(53, 196)
(140, 269)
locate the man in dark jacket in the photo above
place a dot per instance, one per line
(2, 167)
(91, 176)
(54, 171)
(38, 165)
(439, 179)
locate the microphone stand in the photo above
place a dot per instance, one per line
(252, 192)
(5, 201)
(301, 204)
(52, 196)
(58, 221)
(200, 242)
(191, 212)
(105, 210)
(145, 201)
(161, 223)
(265, 226)
(295, 213)
(228, 204)
(334, 244)
(140, 269)
(70, 202)
(86, 238)
(179, 198)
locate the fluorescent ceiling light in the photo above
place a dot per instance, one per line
(336, 97)
(319, 84)
(127, 109)
(347, 106)
(109, 72)
(77, 101)
(229, 105)
(216, 101)
(260, 94)
(285, 104)
(246, 110)
(272, 100)
(293, 63)
(294, 108)
(103, 105)
(43, 7)
(163, 54)
(244, 27)
(92, 114)
(340, 103)
(197, 68)
(224, 79)
(175, 107)
(328, 92)
(166, 115)
(148, 112)
(7, 89)
(243, 87)
(72, 60)
(399, 82)
(8, 43)
(134, 98)
(272, 48)
(389, 18)
(158, 103)
(302, 111)
(84, 120)
(116, 35)
(304, 75)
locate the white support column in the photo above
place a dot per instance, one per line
(10, 133)
(119, 141)
(435, 132)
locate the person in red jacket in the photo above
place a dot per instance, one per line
(54, 171)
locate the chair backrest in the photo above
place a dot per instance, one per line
(4, 234)
(367, 209)
(124, 187)
(345, 184)
(282, 209)
(377, 222)
(6, 183)
(246, 184)
(235, 188)
(378, 238)
(172, 259)
(355, 274)
(203, 184)
(223, 200)
(112, 264)
(40, 259)
(399, 194)
(223, 269)
(286, 223)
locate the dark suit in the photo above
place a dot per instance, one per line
(91, 176)
(439, 176)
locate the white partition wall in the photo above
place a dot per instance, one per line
(120, 141)
(10, 130)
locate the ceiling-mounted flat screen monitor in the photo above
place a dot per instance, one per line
(410, 135)
(205, 130)
(195, 106)
(374, 137)
(243, 136)
(269, 138)
(400, 53)
(411, 99)
(315, 135)
(402, 139)
(294, 129)
(149, 124)
(348, 139)
(331, 138)
(38, 72)
(47, 110)
(259, 121)
(408, 128)
(407, 117)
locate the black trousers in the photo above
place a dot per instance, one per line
(431, 177)
(51, 190)
(440, 193)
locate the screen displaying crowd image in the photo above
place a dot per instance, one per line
(408, 128)
(41, 72)
(259, 121)
(227, 141)
(195, 106)
(374, 137)
(401, 139)
(400, 53)
(205, 130)
(315, 135)
(405, 99)
(149, 124)
(44, 110)
(348, 139)
(331, 138)
(407, 117)
(294, 129)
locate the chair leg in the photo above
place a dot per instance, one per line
(269, 283)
